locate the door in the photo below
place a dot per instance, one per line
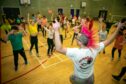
(103, 13)
(72, 12)
(11, 12)
(77, 12)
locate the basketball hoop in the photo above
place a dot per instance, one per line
(25, 2)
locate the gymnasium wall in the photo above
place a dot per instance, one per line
(114, 7)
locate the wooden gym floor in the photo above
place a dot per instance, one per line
(58, 68)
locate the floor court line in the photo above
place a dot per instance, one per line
(46, 48)
(56, 63)
(54, 54)
(34, 54)
(24, 73)
(53, 57)
(58, 57)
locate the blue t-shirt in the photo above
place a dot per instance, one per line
(16, 41)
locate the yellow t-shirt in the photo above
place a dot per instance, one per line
(6, 27)
(96, 26)
(32, 28)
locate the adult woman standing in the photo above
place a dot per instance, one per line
(32, 27)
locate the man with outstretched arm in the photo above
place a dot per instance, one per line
(84, 56)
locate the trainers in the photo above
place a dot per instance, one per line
(116, 78)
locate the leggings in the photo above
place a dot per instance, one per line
(39, 27)
(119, 51)
(34, 41)
(43, 32)
(50, 45)
(123, 71)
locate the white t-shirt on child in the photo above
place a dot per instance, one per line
(83, 60)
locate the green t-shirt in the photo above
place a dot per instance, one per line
(16, 41)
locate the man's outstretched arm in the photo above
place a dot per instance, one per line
(58, 44)
(112, 37)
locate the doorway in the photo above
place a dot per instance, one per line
(103, 13)
(11, 12)
(77, 12)
(72, 12)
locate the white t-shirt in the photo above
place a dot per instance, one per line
(50, 33)
(83, 60)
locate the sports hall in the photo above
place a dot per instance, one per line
(56, 68)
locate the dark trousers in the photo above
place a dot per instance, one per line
(123, 71)
(119, 51)
(50, 45)
(43, 32)
(74, 36)
(34, 41)
(39, 27)
(22, 53)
